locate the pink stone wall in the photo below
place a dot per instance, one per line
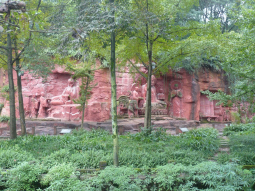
(179, 90)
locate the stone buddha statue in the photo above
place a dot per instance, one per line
(69, 93)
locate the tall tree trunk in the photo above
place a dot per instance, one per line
(84, 105)
(21, 105)
(147, 117)
(13, 133)
(113, 96)
(82, 117)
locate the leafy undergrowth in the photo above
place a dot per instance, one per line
(242, 143)
(86, 149)
(25, 159)
(239, 128)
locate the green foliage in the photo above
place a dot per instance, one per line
(60, 156)
(12, 157)
(157, 134)
(1, 107)
(242, 148)
(200, 139)
(223, 98)
(5, 92)
(4, 118)
(120, 178)
(58, 173)
(224, 158)
(24, 177)
(235, 117)
(242, 128)
(207, 175)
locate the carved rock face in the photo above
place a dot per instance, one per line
(176, 95)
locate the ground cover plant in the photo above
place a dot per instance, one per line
(157, 161)
(242, 143)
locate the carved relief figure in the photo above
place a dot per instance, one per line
(153, 90)
(176, 96)
(34, 106)
(44, 105)
(156, 103)
(133, 103)
(69, 93)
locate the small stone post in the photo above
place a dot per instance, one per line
(102, 165)
(55, 130)
(33, 130)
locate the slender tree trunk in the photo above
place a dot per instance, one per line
(21, 105)
(113, 97)
(82, 117)
(13, 133)
(84, 105)
(147, 118)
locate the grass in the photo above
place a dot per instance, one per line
(25, 159)
(138, 150)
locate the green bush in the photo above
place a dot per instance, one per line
(4, 92)
(60, 156)
(234, 128)
(205, 140)
(1, 106)
(242, 148)
(157, 134)
(112, 178)
(4, 119)
(56, 158)
(25, 176)
(11, 158)
(61, 176)
(204, 176)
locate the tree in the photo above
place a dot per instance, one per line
(89, 18)
(236, 50)
(156, 35)
(6, 8)
(85, 73)
(23, 38)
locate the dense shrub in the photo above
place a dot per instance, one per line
(233, 128)
(10, 158)
(1, 106)
(25, 176)
(58, 173)
(205, 140)
(4, 118)
(60, 156)
(207, 175)
(157, 134)
(242, 147)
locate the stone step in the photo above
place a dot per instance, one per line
(224, 150)
(224, 146)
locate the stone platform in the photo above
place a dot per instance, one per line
(133, 125)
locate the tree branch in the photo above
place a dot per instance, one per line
(142, 74)
(4, 47)
(3, 60)
(142, 61)
(29, 39)
(5, 22)
(181, 54)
